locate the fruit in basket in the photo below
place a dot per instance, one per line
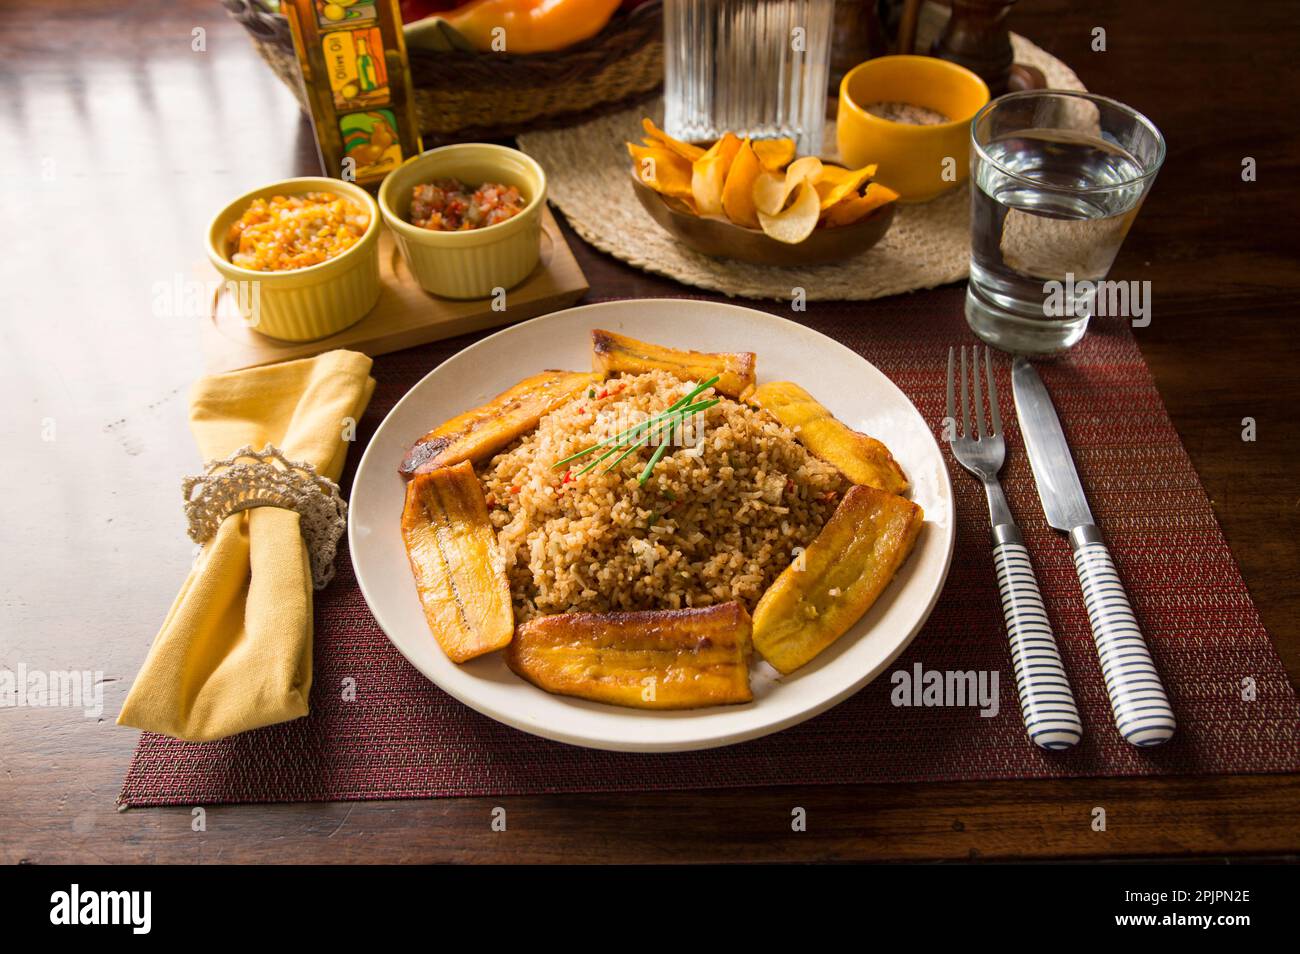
(756, 184)
(513, 26)
(413, 10)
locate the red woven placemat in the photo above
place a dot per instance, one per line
(402, 737)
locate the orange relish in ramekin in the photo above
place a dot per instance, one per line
(285, 232)
(303, 252)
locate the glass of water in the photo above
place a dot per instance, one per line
(752, 67)
(1057, 178)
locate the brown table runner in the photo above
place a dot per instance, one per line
(402, 737)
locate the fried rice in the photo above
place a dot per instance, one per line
(716, 521)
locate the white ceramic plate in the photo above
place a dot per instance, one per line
(851, 387)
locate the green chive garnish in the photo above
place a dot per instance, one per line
(621, 457)
(654, 459)
(679, 409)
(595, 462)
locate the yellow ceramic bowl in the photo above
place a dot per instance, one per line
(474, 262)
(305, 303)
(911, 159)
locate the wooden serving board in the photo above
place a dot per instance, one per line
(405, 314)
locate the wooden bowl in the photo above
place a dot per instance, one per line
(718, 238)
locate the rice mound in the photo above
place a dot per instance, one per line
(713, 523)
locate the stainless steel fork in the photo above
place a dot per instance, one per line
(1046, 701)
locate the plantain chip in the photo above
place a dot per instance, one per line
(837, 183)
(774, 154)
(681, 203)
(854, 208)
(686, 150)
(771, 192)
(756, 183)
(795, 223)
(662, 170)
(738, 192)
(709, 174)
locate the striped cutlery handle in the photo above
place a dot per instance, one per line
(1046, 701)
(1142, 711)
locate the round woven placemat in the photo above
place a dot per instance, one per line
(587, 178)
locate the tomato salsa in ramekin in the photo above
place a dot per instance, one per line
(500, 250)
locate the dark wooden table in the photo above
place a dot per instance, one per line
(121, 141)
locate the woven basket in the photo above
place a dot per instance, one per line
(463, 96)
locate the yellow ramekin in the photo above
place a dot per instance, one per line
(305, 303)
(475, 262)
(912, 160)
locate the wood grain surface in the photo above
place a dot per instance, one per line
(123, 139)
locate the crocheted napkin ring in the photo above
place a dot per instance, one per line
(266, 478)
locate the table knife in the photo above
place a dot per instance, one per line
(1137, 697)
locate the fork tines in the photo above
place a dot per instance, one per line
(981, 447)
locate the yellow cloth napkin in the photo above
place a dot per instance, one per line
(235, 650)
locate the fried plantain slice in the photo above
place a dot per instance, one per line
(862, 459)
(662, 659)
(826, 590)
(478, 434)
(459, 572)
(617, 354)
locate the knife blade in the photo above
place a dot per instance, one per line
(1049, 454)
(1137, 696)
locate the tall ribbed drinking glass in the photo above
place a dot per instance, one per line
(757, 68)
